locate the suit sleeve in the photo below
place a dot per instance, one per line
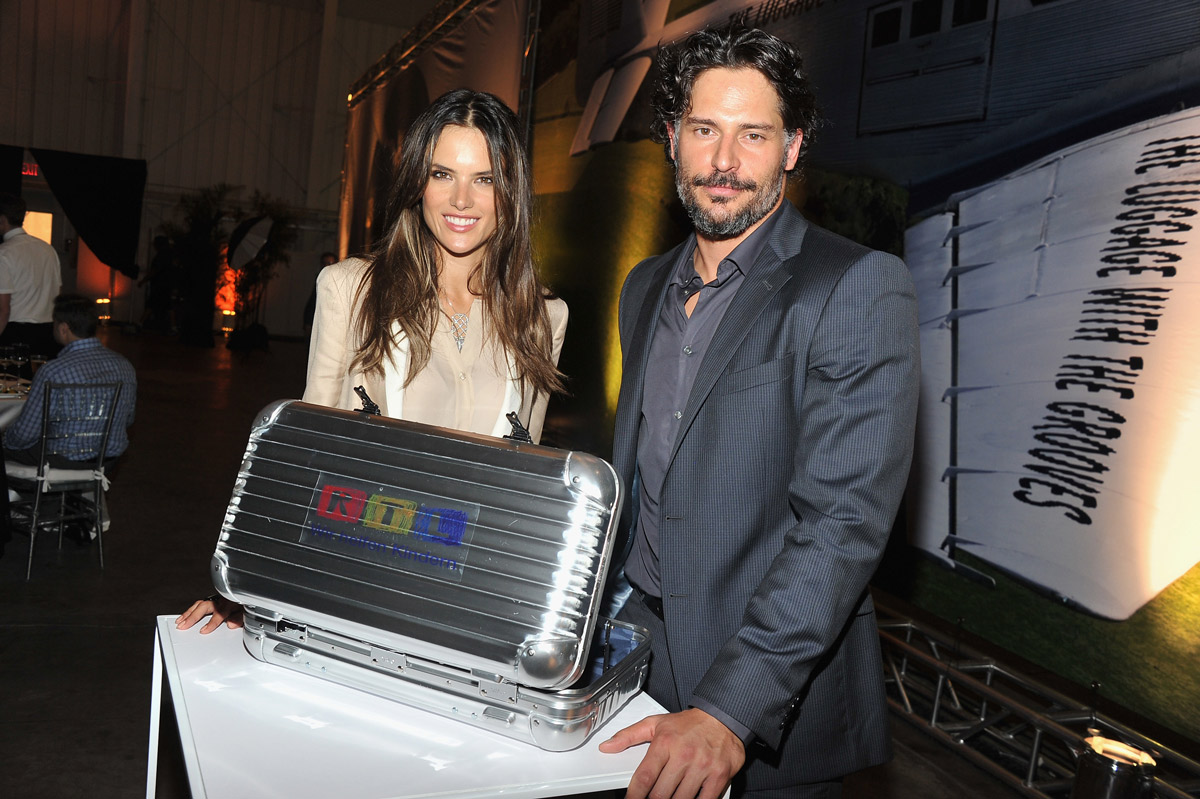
(331, 346)
(853, 418)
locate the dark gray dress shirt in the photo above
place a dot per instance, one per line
(679, 345)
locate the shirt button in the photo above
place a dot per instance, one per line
(687, 350)
(678, 414)
(462, 376)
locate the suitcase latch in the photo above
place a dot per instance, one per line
(291, 629)
(389, 660)
(499, 691)
(505, 717)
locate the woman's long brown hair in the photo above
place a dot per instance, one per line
(400, 283)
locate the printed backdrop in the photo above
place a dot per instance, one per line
(1053, 202)
(1076, 363)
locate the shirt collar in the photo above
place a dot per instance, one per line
(17, 231)
(740, 260)
(746, 253)
(81, 344)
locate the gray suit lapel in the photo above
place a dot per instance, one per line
(766, 276)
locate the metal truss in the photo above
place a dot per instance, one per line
(1023, 733)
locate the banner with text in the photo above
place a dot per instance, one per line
(1077, 382)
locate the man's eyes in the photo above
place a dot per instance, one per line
(749, 136)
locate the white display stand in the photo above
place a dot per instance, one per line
(252, 729)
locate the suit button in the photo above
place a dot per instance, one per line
(678, 414)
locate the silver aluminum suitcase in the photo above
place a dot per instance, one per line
(453, 572)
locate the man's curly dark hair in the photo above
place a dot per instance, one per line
(735, 47)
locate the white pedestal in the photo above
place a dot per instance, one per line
(250, 729)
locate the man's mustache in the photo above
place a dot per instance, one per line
(717, 180)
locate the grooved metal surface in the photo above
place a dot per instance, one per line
(522, 600)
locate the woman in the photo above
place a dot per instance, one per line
(445, 322)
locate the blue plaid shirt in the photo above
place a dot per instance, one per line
(82, 361)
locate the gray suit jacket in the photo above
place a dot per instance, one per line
(780, 493)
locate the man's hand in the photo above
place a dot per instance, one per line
(222, 610)
(691, 755)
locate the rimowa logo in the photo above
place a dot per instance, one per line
(396, 515)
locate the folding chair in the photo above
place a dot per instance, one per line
(76, 420)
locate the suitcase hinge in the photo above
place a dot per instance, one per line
(368, 407)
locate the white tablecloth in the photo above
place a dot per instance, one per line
(252, 729)
(10, 407)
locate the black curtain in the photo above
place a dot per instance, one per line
(11, 159)
(102, 197)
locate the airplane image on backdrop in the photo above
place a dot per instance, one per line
(934, 95)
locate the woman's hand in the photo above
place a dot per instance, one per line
(221, 610)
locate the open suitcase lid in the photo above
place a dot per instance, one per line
(478, 552)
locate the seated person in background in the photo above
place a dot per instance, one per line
(83, 360)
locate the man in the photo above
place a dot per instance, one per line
(161, 278)
(765, 428)
(83, 360)
(29, 279)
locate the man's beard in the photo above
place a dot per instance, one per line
(731, 225)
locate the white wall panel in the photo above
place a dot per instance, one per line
(225, 90)
(227, 93)
(62, 73)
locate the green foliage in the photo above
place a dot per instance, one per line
(200, 235)
(200, 232)
(867, 210)
(197, 233)
(252, 278)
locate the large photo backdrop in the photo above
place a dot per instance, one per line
(1074, 379)
(1037, 153)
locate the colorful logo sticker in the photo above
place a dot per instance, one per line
(391, 526)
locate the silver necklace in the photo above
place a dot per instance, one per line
(458, 321)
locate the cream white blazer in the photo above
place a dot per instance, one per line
(335, 340)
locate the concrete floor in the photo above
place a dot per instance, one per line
(76, 643)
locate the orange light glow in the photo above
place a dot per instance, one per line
(104, 308)
(226, 286)
(40, 225)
